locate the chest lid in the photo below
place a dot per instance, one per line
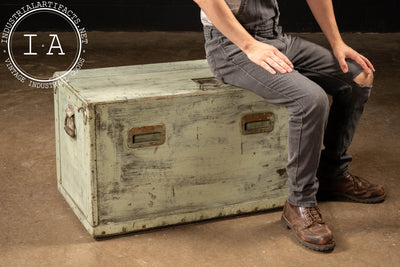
(159, 80)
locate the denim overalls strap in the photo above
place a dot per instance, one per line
(259, 15)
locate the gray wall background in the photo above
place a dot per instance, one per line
(143, 15)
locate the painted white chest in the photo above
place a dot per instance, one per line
(154, 145)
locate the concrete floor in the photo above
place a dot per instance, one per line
(39, 229)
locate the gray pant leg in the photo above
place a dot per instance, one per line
(348, 103)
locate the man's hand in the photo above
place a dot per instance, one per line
(323, 13)
(268, 57)
(262, 54)
(343, 51)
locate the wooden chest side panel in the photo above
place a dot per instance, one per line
(205, 162)
(75, 157)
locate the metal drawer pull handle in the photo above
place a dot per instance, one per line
(69, 122)
(258, 123)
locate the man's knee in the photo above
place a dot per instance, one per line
(365, 79)
(318, 103)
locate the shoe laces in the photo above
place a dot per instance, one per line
(313, 214)
(359, 182)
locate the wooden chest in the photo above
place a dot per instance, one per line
(160, 144)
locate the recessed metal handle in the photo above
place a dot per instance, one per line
(146, 136)
(258, 123)
(207, 82)
(69, 122)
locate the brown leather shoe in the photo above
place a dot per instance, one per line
(308, 226)
(351, 187)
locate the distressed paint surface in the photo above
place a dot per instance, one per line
(205, 168)
(205, 161)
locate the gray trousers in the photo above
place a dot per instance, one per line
(304, 92)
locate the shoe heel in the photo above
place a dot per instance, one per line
(284, 223)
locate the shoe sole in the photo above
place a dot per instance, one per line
(327, 196)
(322, 248)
